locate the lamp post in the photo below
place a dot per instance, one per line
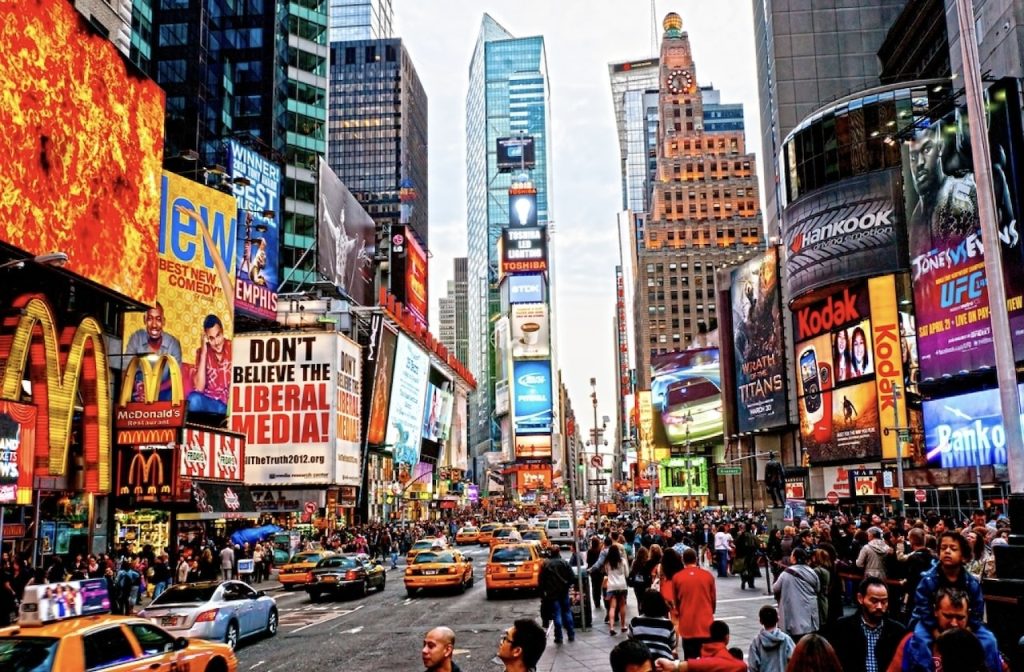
(689, 472)
(595, 441)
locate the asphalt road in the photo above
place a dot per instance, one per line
(385, 630)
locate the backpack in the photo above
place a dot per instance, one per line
(124, 582)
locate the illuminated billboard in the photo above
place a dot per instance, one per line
(757, 336)
(380, 364)
(965, 430)
(532, 405)
(516, 154)
(409, 265)
(525, 288)
(682, 476)
(524, 249)
(522, 209)
(408, 397)
(346, 238)
(17, 452)
(531, 337)
(686, 394)
(82, 146)
(191, 321)
(257, 187)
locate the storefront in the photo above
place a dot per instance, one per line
(683, 483)
(217, 510)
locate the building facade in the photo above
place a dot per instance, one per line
(361, 20)
(446, 329)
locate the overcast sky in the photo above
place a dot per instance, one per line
(581, 37)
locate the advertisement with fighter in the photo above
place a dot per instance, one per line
(346, 238)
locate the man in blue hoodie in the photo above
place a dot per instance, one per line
(771, 649)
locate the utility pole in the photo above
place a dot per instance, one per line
(901, 434)
(596, 440)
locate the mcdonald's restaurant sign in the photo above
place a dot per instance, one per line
(149, 412)
(62, 368)
(149, 473)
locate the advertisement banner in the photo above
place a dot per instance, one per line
(889, 354)
(210, 455)
(502, 403)
(282, 400)
(686, 392)
(757, 335)
(412, 268)
(259, 211)
(534, 447)
(534, 479)
(192, 321)
(681, 476)
(303, 502)
(530, 331)
(460, 428)
(148, 473)
(502, 347)
(347, 238)
(855, 421)
(532, 405)
(436, 413)
(380, 363)
(516, 154)
(82, 147)
(408, 397)
(965, 430)
(17, 452)
(844, 232)
(525, 288)
(522, 209)
(524, 249)
(348, 448)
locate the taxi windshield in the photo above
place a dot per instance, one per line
(27, 654)
(531, 535)
(425, 544)
(306, 557)
(186, 594)
(503, 532)
(433, 557)
(342, 563)
(511, 554)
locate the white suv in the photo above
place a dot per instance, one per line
(559, 531)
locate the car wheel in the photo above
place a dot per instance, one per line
(217, 665)
(314, 597)
(491, 594)
(364, 588)
(462, 587)
(272, 623)
(231, 636)
(383, 582)
(472, 579)
(411, 592)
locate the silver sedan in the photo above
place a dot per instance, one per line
(221, 611)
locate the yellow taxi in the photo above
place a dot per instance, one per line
(505, 535)
(467, 535)
(486, 530)
(537, 535)
(425, 544)
(513, 567)
(296, 573)
(65, 628)
(439, 569)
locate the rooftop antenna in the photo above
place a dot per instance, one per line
(654, 28)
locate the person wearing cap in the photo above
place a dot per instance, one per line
(873, 554)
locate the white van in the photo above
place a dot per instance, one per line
(559, 531)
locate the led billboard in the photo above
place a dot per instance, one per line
(408, 398)
(680, 476)
(409, 264)
(532, 405)
(757, 336)
(516, 154)
(380, 364)
(525, 288)
(686, 392)
(82, 144)
(530, 331)
(965, 430)
(346, 238)
(524, 249)
(522, 209)
(257, 187)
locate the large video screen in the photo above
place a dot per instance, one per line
(686, 394)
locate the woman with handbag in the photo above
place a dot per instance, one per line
(640, 576)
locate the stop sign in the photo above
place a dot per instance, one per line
(832, 497)
(920, 495)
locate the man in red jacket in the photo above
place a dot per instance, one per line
(694, 600)
(714, 657)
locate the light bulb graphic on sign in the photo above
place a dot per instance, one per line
(523, 207)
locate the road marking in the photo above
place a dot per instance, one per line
(353, 631)
(731, 618)
(408, 601)
(325, 620)
(257, 665)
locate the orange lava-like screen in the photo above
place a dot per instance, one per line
(82, 147)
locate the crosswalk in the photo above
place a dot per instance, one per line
(298, 618)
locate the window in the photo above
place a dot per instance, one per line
(107, 647)
(152, 640)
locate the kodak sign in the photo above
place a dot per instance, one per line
(885, 331)
(150, 412)
(62, 368)
(848, 305)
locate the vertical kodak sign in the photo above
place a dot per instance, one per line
(885, 332)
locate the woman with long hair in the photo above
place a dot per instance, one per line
(639, 577)
(841, 356)
(821, 563)
(616, 569)
(593, 554)
(813, 653)
(860, 359)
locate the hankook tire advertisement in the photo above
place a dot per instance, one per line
(844, 232)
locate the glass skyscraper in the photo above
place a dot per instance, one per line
(361, 20)
(508, 94)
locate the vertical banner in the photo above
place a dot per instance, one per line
(348, 449)
(346, 237)
(885, 328)
(17, 452)
(408, 397)
(258, 193)
(283, 401)
(380, 363)
(460, 427)
(192, 321)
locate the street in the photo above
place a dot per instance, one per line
(359, 632)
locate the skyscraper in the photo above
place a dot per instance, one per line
(630, 81)
(704, 210)
(361, 20)
(809, 53)
(446, 332)
(508, 94)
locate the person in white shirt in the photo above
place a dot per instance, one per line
(227, 562)
(723, 545)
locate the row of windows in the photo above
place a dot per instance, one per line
(699, 234)
(676, 280)
(674, 309)
(675, 295)
(745, 208)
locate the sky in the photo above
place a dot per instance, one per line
(581, 37)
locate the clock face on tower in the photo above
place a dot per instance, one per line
(679, 81)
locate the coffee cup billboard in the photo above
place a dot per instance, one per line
(530, 331)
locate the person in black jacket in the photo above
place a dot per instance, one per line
(555, 578)
(850, 636)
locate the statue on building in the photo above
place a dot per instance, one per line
(775, 480)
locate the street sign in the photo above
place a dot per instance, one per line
(730, 471)
(598, 481)
(920, 495)
(832, 497)
(651, 471)
(597, 461)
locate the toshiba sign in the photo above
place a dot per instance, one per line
(843, 232)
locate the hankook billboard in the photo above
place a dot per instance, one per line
(846, 231)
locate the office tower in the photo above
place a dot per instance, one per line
(112, 18)
(809, 53)
(508, 95)
(461, 348)
(361, 20)
(446, 330)
(378, 132)
(704, 208)
(140, 40)
(630, 81)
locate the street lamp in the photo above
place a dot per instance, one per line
(596, 440)
(687, 419)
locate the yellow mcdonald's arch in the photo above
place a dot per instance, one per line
(152, 370)
(31, 332)
(141, 472)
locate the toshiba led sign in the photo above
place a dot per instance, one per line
(846, 231)
(524, 249)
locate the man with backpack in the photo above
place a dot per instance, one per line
(125, 581)
(555, 579)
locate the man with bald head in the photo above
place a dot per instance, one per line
(438, 647)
